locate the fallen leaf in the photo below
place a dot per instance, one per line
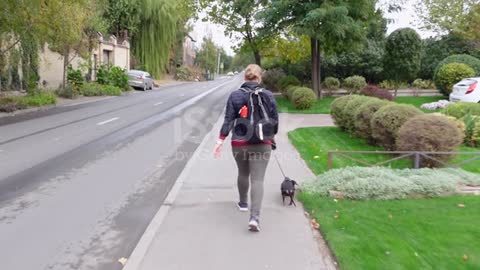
(387, 252)
(335, 200)
(315, 224)
(336, 216)
(416, 254)
(390, 216)
(461, 205)
(336, 211)
(465, 257)
(123, 261)
(313, 212)
(316, 157)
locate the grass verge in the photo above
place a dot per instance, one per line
(320, 107)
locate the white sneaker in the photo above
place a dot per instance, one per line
(254, 225)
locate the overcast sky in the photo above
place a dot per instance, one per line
(404, 19)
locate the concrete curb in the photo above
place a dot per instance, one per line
(136, 258)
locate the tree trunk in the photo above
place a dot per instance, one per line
(258, 58)
(66, 55)
(316, 78)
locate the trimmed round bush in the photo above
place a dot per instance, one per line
(337, 110)
(374, 91)
(331, 83)
(286, 81)
(387, 121)
(350, 109)
(430, 133)
(363, 117)
(303, 98)
(354, 83)
(466, 59)
(290, 90)
(450, 74)
(460, 109)
(271, 78)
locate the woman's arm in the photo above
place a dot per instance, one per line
(230, 115)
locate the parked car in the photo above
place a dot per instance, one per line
(230, 74)
(140, 80)
(467, 90)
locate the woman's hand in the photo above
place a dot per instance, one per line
(218, 149)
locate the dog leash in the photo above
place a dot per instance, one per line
(279, 166)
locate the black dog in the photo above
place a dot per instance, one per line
(288, 190)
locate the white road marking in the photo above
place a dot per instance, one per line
(159, 103)
(108, 121)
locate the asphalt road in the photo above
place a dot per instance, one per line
(80, 184)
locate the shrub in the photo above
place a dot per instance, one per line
(303, 98)
(111, 90)
(185, 73)
(11, 104)
(67, 92)
(450, 74)
(286, 81)
(271, 78)
(391, 85)
(290, 90)
(92, 89)
(460, 109)
(119, 78)
(354, 83)
(430, 133)
(103, 75)
(373, 91)
(349, 111)
(387, 121)
(75, 79)
(423, 84)
(363, 183)
(363, 117)
(476, 133)
(40, 98)
(331, 83)
(463, 59)
(337, 110)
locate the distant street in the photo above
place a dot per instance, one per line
(79, 184)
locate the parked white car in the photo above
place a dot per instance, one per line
(140, 80)
(230, 74)
(467, 90)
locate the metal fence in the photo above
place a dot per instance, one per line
(416, 156)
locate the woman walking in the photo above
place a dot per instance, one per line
(251, 114)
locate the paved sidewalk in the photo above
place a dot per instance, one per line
(200, 228)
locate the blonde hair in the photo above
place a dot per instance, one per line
(253, 73)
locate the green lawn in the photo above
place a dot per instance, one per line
(400, 234)
(321, 106)
(314, 144)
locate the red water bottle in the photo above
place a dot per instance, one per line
(243, 112)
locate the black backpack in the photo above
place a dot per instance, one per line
(258, 126)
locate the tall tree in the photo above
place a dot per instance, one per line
(207, 56)
(239, 16)
(331, 25)
(70, 34)
(402, 55)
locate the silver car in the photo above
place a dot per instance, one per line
(140, 80)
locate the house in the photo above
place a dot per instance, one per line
(109, 51)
